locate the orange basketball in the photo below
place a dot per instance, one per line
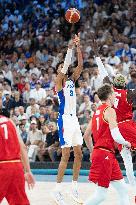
(72, 15)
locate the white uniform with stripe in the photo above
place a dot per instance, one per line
(68, 125)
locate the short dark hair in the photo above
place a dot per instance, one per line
(133, 75)
(104, 92)
(57, 66)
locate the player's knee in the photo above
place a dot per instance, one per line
(65, 156)
(78, 155)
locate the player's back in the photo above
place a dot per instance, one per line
(122, 107)
(9, 144)
(67, 98)
(100, 130)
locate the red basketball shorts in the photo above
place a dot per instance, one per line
(128, 131)
(104, 168)
(12, 184)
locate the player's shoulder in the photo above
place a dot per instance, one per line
(3, 119)
(109, 111)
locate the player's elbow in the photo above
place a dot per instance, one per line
(86, 137)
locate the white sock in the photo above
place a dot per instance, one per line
(74, 184)
(58, 187)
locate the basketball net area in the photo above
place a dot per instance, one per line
(41, 194)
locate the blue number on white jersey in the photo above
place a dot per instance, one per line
(71, 92)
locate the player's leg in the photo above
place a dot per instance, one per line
(57, 193)
(63, 163)
(118, 182)
(98, 197)
(5, 179)
(65, 132)
(100, 174)
(77, 161)
(127, 158)
(121, 189)
(77, 141)
(76, 170)
(16, 191)
(128, 131)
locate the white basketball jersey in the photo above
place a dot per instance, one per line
(67, 99)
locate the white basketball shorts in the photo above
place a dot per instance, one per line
(69, 131)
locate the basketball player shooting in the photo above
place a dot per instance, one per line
(14, 165)
(68, 125)
(105, 168)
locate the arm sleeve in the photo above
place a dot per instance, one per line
(67, 62)
(116, 135)
(101, 68)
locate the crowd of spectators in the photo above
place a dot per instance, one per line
(33, 40)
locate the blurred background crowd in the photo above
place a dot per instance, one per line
(33, 40)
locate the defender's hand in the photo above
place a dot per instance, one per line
(30, 180)
(76, 40)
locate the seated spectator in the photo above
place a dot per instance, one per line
(23, 120)
(51, 142)
(86, 76)
(42, 121)
(21, 84)
(32, 107)
(85, 88)
(33, 80)
(86, 105)
(42, 110)
(38, 93)
(21, 112)
(8, 101)
(26, 93)
(17, 100)
(46, 83)
(33, 140)
(34, 72)
(23, 132)
(112, 59)
(85, 119)
(129, 52)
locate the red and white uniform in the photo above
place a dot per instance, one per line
(124, 114)
(122, 107)
(105, 167)
(11, 170)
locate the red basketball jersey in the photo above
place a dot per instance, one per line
(9, 144)
(122, 107)
(100, 130)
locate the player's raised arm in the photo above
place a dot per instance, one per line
(110, 116)
(87, 136)
(62, 68)
(79, 68)
(102, 71)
